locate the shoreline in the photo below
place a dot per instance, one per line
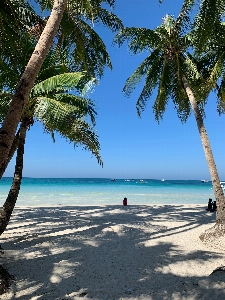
(191, 205)
(112, 252)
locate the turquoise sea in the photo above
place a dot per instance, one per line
(92, 191)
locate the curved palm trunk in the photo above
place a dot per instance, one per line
(26, 82)
(218, 191)
(7, 209)
(11, 152)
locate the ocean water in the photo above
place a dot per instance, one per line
(92, 191)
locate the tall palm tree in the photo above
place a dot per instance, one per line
(76, 9)
(27, 80)
(72, 116)
(171, 69)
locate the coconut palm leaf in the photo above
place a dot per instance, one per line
(139, 39)
(82, 131)
(207, 24)
(62, 82)
(221, 97)
(153, 70)
(51, 70)
(140, 73)
(65, 119)
(108, 19)
(84, 46)
(178, 94)
(183, 21)
(12, 63)
(87, 51)
(83, 106)
(15, 16)
(164, 88)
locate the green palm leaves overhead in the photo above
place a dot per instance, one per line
(207, 23)
(171, 70)
(207, 39)
(52, 103)
(16, 16)
(163, 68)
(85, 49)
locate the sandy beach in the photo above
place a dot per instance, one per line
(112, 252)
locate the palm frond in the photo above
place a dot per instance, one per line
(108, 19)
(15, 17)
(152, 80)
(65, 119)
(140, 73)
(221, 97)
(139, 39)
(60, 82)
(179, 96)
(191, 68)
(82, 106)
(207, 25)
(164, 90)
(215, 72)
(84, 135)
(51, 70)
(183, 21)
(86, 49)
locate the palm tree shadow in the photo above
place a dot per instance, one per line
(109, 252)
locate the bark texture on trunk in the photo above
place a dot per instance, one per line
(11, 152)
(7, 209)
(218, 191)
(26, 82)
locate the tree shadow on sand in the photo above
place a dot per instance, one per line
(109, 252)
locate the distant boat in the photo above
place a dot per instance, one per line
(162, 179)
(203, 180)
(113, 179)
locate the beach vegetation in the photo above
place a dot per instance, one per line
(176, 70)
(55, 55)
(208, 36)
(60, 111)
(69, 23)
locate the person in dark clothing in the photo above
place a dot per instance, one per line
(214, 207)
(210, 205)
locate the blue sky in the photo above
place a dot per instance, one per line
(130, 147)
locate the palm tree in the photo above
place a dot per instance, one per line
(59, 111)
(76, 9)
(20, 98)
(173, 71)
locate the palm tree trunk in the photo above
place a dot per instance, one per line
(26, 82)
(11, 152)
(7, 209)
(218, 191)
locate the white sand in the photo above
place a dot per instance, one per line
(112, 252)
